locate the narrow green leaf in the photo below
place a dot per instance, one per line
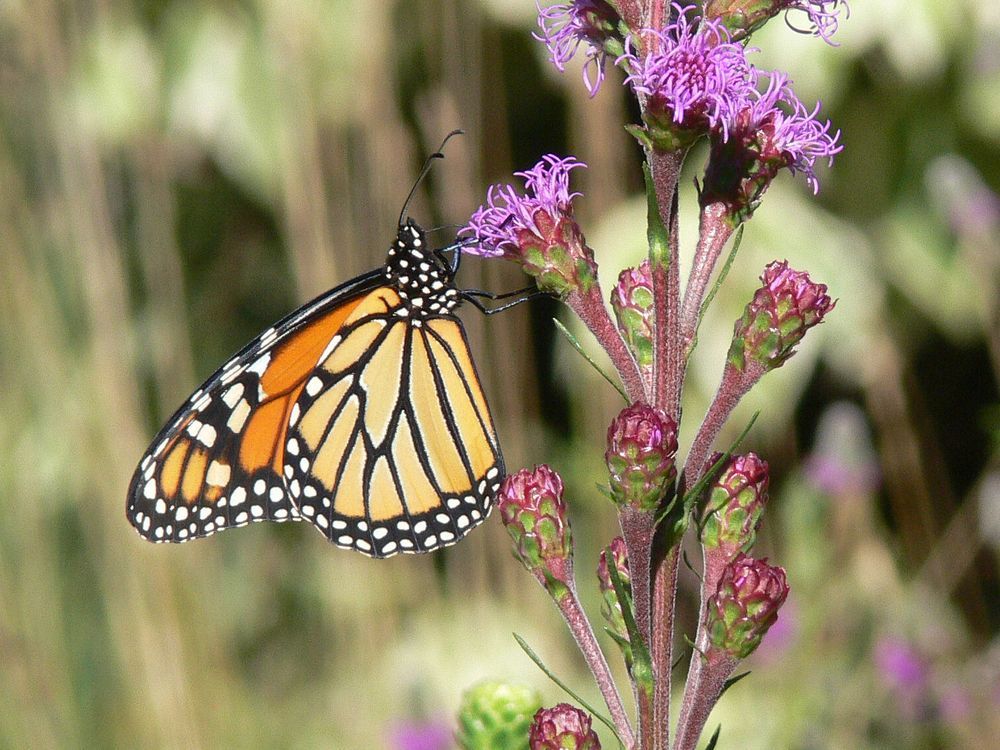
(548, 673)
(692, 495)
(640, 654)
(732, 681)
(715, 738)
(576, 345)
(656, 234)
(723, 273)
(687, 562)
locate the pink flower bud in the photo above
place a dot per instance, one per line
(610, 606)
(735, 503)
(745, 605)
(532, 508)
(560, 727)
(782, 310)
(632, 301)
(642, 441)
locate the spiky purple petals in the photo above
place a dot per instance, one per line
(769, 131)
(693, 78)
(536, 229)
(745, 605)
(534, 513)
(566, 26)
(787, 305)
(562, 727)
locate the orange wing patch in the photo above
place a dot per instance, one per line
(218, 462)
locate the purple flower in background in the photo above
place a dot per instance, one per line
(421, 735)
(900, 665)
(694, 76)
(568, 25)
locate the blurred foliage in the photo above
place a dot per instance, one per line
(175, 175)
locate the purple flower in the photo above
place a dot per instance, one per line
(767, 132)
(568, 25)
(694, 76)
(822, 15)
(499, 224)
(420, 735)
(900, 665)
(743, 17)
(536, 229)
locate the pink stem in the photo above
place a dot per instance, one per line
(664, 594)
(735, 384)
(589, 306)
(579, 625)
(714, 231)
(710, 668)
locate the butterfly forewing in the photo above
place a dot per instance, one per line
(218, 461)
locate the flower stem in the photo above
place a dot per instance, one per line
(705, 683)
(664, 593)
(735, 384)
(714, 231)
(665, 168)
(589, 306)
(579, 625)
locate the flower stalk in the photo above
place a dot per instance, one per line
(689, 70)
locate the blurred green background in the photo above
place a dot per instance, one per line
(176, 175)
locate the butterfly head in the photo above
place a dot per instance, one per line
(420, 274)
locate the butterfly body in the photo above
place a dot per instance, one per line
(361, 413)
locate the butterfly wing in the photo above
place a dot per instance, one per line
(217, 463)
(391, 446)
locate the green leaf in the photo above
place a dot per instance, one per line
(687, 562)
(656, 234)
(576, 345)
(732, 681)
(642, 663)
(548, 673)
(715, 738)
(723, 273)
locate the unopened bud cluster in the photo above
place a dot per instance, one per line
(562, 727)
(632, 302)
(642, 442)
(745, 605)
(611, 607)
(735, 503)
(496, 716)
(534, 512)
(787, 305)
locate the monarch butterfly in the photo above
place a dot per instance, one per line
(361, 412)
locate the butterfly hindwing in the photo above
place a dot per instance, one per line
(395, 450)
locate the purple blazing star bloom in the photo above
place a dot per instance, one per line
(693, 74)
(498, 224)
(822, 15)
(764, 133)
(568, 25)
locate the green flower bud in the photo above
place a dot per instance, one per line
(496, 716)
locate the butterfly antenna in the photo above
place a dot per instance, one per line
(424, 170)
